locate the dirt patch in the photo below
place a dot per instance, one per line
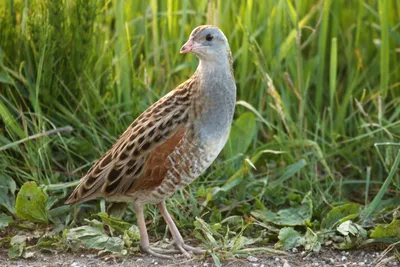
(327, 257)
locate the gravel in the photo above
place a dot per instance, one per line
(327, 257)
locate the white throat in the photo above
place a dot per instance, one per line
(217, 67)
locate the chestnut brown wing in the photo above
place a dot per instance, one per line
(139, 150)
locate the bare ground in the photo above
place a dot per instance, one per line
(327, 257)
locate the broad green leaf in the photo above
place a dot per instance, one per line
(4, 221)
(242, 133)
(354, 234)
(387, 230)
(264, 215)
(18, 239)
(18, 243)
(7, 193)
(114, 223)
(31, 203)
(288, 238)
(16, 251)
(340, 214)
(350, 228)
(91, 237)
(311, 241)
(293, 216)
(300, 215)
(131, 235)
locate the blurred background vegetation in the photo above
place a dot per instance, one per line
(318, 112)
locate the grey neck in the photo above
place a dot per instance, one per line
(217, 67)
(216, 75)
(217, 88)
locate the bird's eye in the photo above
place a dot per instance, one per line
(209, 37)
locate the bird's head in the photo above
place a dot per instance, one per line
(207, 42)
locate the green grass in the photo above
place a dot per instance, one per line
(321, 78)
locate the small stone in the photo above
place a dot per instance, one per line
(295, 250)
(286, 264)
(28, 255)
(344, 258)
(332, 261)
(361, 264)
(309, 254)
(277, 259)
(252, 259)
(303, 253)
(139, 260)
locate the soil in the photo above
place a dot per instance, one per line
(327, 257)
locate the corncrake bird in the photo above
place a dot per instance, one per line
(172, 142)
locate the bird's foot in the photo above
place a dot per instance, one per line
(185, 248)
(159, 252)
(173, 248)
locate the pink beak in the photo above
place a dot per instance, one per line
(187, 47)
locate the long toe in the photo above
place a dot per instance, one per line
(159, 252)
(165, 250)
(185, 249)
(178, 242)
(193, 249)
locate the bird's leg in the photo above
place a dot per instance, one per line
(144, 238)
(178, 240)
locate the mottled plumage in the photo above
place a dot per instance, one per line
(173, 141)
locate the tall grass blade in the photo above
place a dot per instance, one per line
(368, 211)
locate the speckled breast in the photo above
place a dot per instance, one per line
(189, 160)
(205, 135)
